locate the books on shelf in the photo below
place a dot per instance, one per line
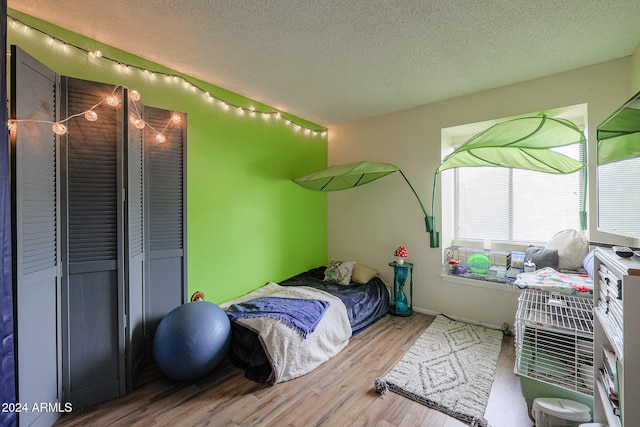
(609, 360)
(610, 379)
(613, 332)
(609, 385)
(610, 298)
(616, 408)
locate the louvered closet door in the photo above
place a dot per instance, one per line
(135, 250)
(36, 244)
(94, 318)
(165, 200)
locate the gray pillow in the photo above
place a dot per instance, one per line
(543, 257)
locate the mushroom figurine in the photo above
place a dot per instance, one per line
(400, 254)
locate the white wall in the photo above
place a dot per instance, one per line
(368, 223)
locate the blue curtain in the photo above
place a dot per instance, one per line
(7, 361)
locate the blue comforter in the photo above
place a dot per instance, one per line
(303, 315)
(365, 303)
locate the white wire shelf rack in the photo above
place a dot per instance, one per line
(554, 339)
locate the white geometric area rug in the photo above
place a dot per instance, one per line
(449, 368)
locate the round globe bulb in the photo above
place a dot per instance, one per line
(113, 100)
(134, 95)
(59, 128)
(91, 115)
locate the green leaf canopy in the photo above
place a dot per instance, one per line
(619, 135)
(349, 175)
(522, 143)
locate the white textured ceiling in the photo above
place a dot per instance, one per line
(338, 61)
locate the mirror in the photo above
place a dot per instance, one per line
(618, 180)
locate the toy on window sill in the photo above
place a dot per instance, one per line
(456, 268)
(479, 263)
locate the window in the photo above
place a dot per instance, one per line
(619, 203)
(509, 205)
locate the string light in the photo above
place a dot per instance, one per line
(59, 128)
(113, 101)
(134, 95)
(134, 119)
(91, 115)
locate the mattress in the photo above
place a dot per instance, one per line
(364, 303)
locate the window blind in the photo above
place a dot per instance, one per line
(516, 205)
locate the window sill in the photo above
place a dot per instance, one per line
(503, 287)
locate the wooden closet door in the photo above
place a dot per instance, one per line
(135, 248)
(166, 213)
(93, 316)
(100, 246)
(36, 248)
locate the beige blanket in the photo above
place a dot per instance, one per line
(291, 355)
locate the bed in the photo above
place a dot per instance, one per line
(270, 351)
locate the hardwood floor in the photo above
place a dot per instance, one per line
(338, 393)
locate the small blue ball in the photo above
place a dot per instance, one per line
(191, 340)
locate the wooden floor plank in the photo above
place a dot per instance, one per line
(338, 393)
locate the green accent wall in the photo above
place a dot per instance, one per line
(248, 223)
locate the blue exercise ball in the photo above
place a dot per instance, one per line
(191, 340)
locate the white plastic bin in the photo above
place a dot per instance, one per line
(555, 412)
